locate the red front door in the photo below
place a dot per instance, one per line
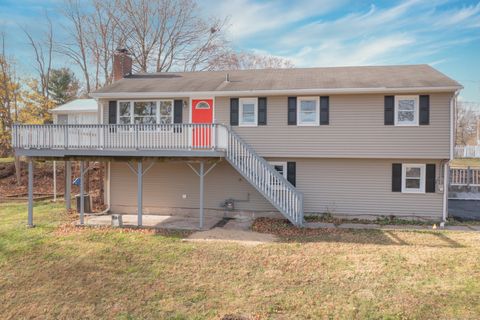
(202, 114)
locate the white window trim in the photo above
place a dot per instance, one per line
(417, 111)
(241, 101)
(280, 163)
(284, 165)
(132, 109)
(422, 177)
(317, 111)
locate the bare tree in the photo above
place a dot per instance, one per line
(248, 60)
(76, 49)
(467, 117)
(168, 34)
(103, 37)
(43, 51)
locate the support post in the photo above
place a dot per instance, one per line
(139, 193)
(54, 181)
(82, 198)
(30, 193)
(201, 174)
(68, 185)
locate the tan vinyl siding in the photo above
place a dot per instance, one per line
(166, 182)
(356, 130)
(345, 187)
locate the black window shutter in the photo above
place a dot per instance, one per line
(389, 110)
(178, 111)
(112, 112)
(234, 111)
(397, 177)
(424, 109)
(324, 110)
(430, 178)
(292, 173)
(292, 111)
(262, 111)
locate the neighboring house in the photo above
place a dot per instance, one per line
(351, 141)
(79, 111)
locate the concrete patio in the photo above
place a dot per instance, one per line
(156, 221)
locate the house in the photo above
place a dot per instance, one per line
(79, 111)
(352, 141)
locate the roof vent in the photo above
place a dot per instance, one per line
(227, 77)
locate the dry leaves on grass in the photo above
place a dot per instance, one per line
(284, 228)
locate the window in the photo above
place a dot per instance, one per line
(202, 105)
(248, 112)
(281, 168)
(62, 119)
(406, 110)
(413, 178)
(166, 111)
(307, 111)
(124, 113)
(145, 112)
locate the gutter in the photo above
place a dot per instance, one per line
(237, 93)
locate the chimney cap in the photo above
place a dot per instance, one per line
(122, 50)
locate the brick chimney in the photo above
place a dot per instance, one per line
(122, 64)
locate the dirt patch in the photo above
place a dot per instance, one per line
(230, 235)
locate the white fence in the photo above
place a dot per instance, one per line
(467, 152)
(469, 177)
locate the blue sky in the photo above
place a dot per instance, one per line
(444, 34)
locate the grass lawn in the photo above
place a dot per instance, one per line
(53, 271)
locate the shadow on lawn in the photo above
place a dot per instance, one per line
(288, 233)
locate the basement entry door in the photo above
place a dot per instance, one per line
(202, 115)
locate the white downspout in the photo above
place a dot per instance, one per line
(446, 165)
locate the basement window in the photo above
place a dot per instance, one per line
(413, 178)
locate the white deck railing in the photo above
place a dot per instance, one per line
(467, 152)
(272, 185)
(116, 137)
(465, 177)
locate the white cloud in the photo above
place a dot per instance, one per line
(409, 32)
(248, 17)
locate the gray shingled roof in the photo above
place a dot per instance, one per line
(368, 77)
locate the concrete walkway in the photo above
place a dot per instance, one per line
(315, 225)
